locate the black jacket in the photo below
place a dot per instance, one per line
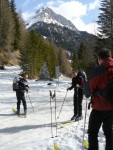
(77, 80)
(23, 85)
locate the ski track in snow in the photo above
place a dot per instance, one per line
(34, 132)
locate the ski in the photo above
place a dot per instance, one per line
(85, 144)
(56, 147)
(21, 115)
(14, 110)
(65, 124)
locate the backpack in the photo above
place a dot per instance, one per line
(80, 81)
(15, 85)
(83, 75)
(109, 92)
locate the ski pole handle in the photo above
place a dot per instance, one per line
(50, 94)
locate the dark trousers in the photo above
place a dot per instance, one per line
(98, 118)
(78, 97)
(21, 97)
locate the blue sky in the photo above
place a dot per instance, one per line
(82, 13)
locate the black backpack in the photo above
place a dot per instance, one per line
(83, 75)
(15, 85)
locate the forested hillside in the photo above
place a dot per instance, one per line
(18, 46)
(30, 49)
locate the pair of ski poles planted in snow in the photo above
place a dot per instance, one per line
(84, 142)
(53, 96)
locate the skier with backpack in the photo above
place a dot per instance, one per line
(100, 85)
(20, 86)
(77, 84)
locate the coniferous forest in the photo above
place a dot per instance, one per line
(30, 50)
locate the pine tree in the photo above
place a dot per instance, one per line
(105, 22)
(83, 57)
(44, 74)
(6, 26)
(65, 67)
(16, 24)
(29, 55)
(36, 52)
(50, 57)
(75, 60)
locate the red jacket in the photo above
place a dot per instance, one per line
(99, 81)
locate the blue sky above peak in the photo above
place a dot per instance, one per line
(82, 13)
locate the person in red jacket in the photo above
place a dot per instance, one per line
(102, 110)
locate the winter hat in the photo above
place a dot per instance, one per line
(22, 74)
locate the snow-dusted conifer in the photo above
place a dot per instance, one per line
(44, 75)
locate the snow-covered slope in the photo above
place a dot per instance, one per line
(34, 132)
(47, 15)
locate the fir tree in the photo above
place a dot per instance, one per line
(75, 60)
(105, 22)
(17, 25)
(6, 26)
(44, 75)
(36, 52)
(83, 57)
(63, 62)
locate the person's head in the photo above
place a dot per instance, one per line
(74, 73)
(103, 54)
(24, 75)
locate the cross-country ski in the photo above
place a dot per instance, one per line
(56, 147)
(85, 144)
(22, 115)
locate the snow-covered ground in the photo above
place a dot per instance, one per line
(34, 132)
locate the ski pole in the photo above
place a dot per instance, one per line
(84, 143)
(55, 113)
(78, 109)
(30, 101)
(62, 104)
(51, 114)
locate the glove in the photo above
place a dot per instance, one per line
(68, 89)
(27, 89)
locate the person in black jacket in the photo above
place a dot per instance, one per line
(20, 92)
(77, 84)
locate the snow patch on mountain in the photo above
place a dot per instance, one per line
(47, 15)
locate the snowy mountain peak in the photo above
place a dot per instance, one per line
(47, 15)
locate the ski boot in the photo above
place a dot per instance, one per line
(25, 112)
(74, 117)
(78, 118)
(18, 112)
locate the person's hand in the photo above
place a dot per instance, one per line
(27, 89)
(77, 85)
(67, 89)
